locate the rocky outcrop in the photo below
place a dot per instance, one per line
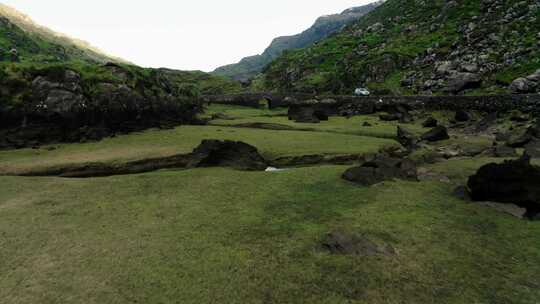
(526, 85)
(436, 134)
(430, 123)
(513, 182)
(238, 155)
(459, 82)
(406, 138)
(60, 106)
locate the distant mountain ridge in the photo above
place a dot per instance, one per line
(38, 43)
(323, 27)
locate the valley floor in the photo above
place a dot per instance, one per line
(217, 235)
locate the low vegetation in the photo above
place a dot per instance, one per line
(217, 234)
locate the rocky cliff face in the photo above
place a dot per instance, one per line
(423, 47)
(323, 27)
(67, 103)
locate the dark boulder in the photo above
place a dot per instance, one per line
(406, 138)
(321, 115)
(430, 123)
(381, 169)
(533, 148)
(462, 116)
(389, 117)
(504, 151)
(513, 182)
(532, 134)
(486, 122)
(459, 82)
(520, 141)
(343, 243)
(304, 114)
(406, 118)
(436, 134)
(216, 153)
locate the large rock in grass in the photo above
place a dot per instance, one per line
(512, 182)
(406, 138)
(532, 134)
(430, 123)
(533, 148)
(307, 114)
(381, 169)
(216, 153)
(462, 116)
(459, 82)
(436, 134)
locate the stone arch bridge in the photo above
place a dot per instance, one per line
(487, 103)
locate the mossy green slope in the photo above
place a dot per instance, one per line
(40, 44)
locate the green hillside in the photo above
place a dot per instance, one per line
(420, 47)
(37, 43)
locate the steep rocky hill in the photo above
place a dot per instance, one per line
(54, 89)
(422, 47)
(323, 27)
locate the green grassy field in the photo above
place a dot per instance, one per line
(157, 143)
(217, 235)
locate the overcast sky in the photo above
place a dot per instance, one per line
(187, 35)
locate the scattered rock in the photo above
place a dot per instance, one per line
(427, 175)
(504, 137)
(406, 138)
(519, 117)
(533, 148)
(381, 169)
(458, 82)
(436, 134)
(462, 116)
(303, 114)
(504, 151)
(342, 243)
(389, 117)
(519, 142)
(501, 151)
(523, 86)
(430, 123)
(486, 122)
(511, 209)
(512, 182)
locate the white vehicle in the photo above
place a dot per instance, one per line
(362, 92)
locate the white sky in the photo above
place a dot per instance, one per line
(187, 35)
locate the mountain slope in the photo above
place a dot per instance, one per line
(37, 43)
(420, 47)
(324, 26)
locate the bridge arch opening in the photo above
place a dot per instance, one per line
(265, 103)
